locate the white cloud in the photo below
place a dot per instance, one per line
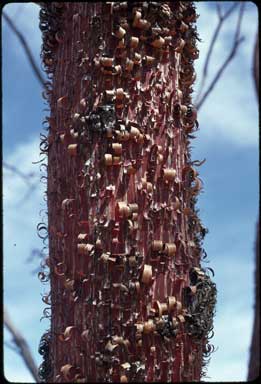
(20, 233)
(233, 331)
(234, 315)
(15, 187)
(18, 375)
(22, 289)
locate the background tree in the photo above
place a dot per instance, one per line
(254, 361)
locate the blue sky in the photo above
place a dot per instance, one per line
(228, 139)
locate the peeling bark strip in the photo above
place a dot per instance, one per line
(129, 299)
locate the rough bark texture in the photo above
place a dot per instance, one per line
(129, 299)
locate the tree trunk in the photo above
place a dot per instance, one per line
(254, 360)
(129, 299)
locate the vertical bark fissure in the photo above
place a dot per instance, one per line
(130, 301)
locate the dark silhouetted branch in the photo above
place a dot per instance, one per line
(221, 18)
(14, 169)
(26, 178)
(22, 347)
(236, 43)
(26, 48)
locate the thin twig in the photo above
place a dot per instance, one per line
(239, 20)
(26, 48)
(22, 346)
(221, 18)
(27, 194)
(11, 346)
(219, 11)
(17, 171)
(237, 41)
(25, 178)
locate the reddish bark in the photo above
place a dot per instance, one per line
(124, 236)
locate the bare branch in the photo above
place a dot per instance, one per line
(22, 346)
(219, 11)
(239, 21)
(26, 48)
(26, 178)
(11, 346)
(28, 193)
(17, 171)
(237, 41)
(222, 18)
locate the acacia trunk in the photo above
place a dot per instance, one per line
(129, 299)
